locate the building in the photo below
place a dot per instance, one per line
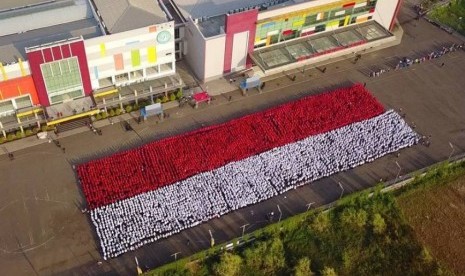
(77, 58)
(277, 35)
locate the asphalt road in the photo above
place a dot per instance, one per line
(44, 233)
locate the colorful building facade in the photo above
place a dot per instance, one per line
(311, 20)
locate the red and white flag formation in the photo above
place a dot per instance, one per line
(159, 189)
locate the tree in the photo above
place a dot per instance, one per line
(379, 225)
(321, 222)
(302, 268)
(328, 271)
(229, 265)
(266, 258)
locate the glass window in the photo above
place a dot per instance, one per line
(6, 106)
(23, 102)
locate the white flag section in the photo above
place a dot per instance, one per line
(133, 222)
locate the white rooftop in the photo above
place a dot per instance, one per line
(11, 4)
(200, 8)
(125, 15)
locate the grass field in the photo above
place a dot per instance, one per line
(436, 212)
(452, 14)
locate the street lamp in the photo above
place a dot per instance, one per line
(212, 240)
(398, 172)
(309, 205)
(243, 229)
(452, 150)
(280, 213)
(342, 189)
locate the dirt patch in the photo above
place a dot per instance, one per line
(437, 215)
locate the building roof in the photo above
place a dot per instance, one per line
(13, 46)
(125, 15)
(12, 4)
(200, 8)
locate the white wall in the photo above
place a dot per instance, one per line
(214, 56)
(384, 12)
(195, 49)
(102, 63)
(14, 70)
(239, 54)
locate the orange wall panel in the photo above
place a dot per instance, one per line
(17, 87)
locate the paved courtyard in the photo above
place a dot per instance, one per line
(43, 231)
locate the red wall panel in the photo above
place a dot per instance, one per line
(56, 53)
(396, 13)
(47, 53)
(237, 23)
(78, 50)
(66, 50)
(35, 60)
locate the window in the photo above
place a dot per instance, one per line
(23, 102)
(6, 107)
(61, 75)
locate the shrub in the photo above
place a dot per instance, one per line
(128, 108)
(118, 111)
(29, 132)
(158, 100)
(2, 140)
(179, 93)
(104, 115)
(35, 130)
(20, 134)
(136, 107)
(112, 113)
(172, 97)
(44, 128)
(11, 136)
(164, 99)
(98, 117)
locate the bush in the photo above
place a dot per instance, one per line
(20, 134)
(136, 107)
(164, 99)
(118, 111)
(29, 132)
(179, 93)
(112, 113)
(172, 97)
(11, 136)
(128, 108)
(104, 115)
(98, 117)
(158, 100)
(44, 128)
(35, 130)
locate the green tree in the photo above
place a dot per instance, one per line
(379, 225)
(302, 267)
(328, 271)
(321, 222)
(266, 258)
(229, 265)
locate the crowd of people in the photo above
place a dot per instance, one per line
(406, 62)
(128, 224)
(152, 166)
